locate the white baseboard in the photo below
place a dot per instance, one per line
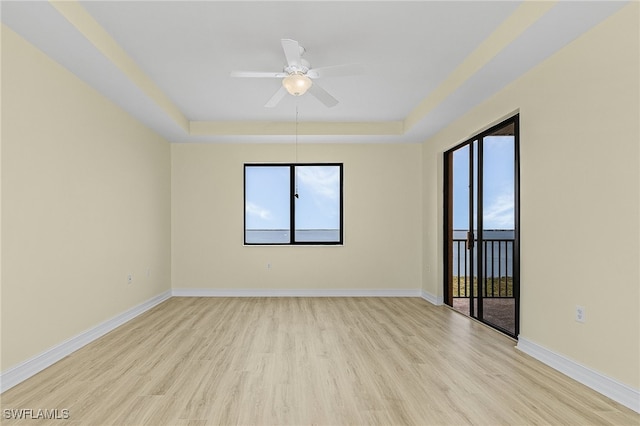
(619, 392)
(30, 367)
(214, 292)
(434, 300)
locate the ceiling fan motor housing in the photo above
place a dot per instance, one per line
(302, 68)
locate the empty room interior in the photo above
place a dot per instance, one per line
(320, 212)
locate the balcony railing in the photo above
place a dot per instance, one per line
(497, 266)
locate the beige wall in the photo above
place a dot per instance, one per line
(382, 221)
(85, 201)
(580, 197)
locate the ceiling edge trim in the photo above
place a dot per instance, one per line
(78, 16)
(205, 128)
(517, 23)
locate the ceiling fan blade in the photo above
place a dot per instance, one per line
(258, 74)
(291, 52)
(276, 98)
(336, 71)
(322, 95)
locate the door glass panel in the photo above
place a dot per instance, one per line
(498, 224)
(461, 260)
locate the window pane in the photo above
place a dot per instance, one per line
(267, 208)
(317, 206)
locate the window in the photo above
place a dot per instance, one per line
(293, 203)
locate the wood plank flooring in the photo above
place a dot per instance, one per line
(298, 361)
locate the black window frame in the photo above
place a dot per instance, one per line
(292, 197)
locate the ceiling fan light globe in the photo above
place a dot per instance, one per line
(297, 84)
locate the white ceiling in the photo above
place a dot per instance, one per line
(427, 62)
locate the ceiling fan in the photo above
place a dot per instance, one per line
(297, 75)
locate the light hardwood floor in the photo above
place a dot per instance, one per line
(259, 361)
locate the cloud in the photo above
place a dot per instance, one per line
(500, 214)
(255, 210)
(323, 181)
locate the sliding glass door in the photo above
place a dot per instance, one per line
(481, 227)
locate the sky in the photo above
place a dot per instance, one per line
(317, 205)
(498, 185)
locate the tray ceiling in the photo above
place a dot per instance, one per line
(426, 62)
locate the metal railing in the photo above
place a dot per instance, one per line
(497, 266)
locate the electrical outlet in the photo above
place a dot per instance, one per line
(148, 272)
(269, 266)
(580, 314)
(129, 278)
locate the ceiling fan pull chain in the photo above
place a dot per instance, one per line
(295, 177)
